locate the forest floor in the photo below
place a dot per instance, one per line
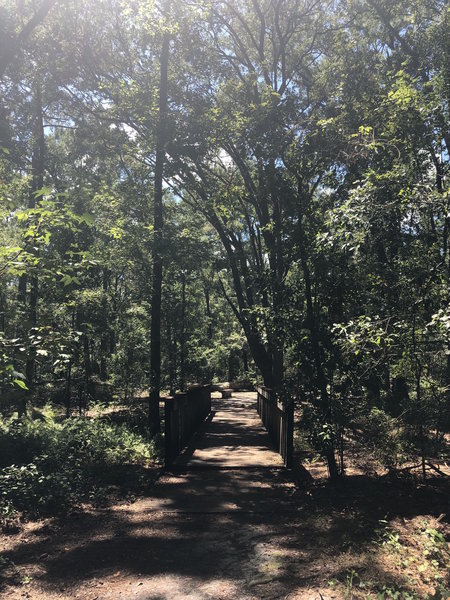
(229, 522)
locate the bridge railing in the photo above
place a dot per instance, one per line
(278, 419)
(183, 415)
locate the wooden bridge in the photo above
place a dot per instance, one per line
(232, 431)
(232, 462)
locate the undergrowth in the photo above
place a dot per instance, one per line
(48, 467)
(407, 565)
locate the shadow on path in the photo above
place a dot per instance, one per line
(234, 437)
(225, 522)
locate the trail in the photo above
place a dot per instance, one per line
(223, 522)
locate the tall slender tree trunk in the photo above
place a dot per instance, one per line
(158, 224)
(313, 326)
(208, 312)
(87, 362)
(245, 360)
(37, 182)
(3, 308)
(320, 373)
(172, 356)
(183, 334)
(277, 269)
(445, 250)
(105, 330)
(68, 390)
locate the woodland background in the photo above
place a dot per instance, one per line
(221, 191)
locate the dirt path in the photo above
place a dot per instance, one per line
(216, 526)
(226, 522)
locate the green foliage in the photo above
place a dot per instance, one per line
(306, 211)
(435, 545)
(386, 536)
(48, 467)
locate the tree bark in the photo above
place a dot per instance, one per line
(183, 334)
(37, 182)
(158, 224)
(171, 356)
(105, 336)
(208, 312)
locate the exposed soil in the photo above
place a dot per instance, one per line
(228, 522)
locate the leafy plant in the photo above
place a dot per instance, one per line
(48, 467)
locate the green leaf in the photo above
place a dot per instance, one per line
(87, 218)
(44, 191)
(21, 384)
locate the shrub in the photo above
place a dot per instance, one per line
(47, 467)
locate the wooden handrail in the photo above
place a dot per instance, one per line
(184, 413)
(278, 419)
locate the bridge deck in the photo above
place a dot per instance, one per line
(233, 436)
(229, 466)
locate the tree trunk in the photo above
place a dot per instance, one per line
(245, 360)
(172, 357)
(68, 390)
(158, 224)
(37, 182)
(105, 331)
(320, 373)
(87, 363)
(208, 312)
(183, 334)
(277, 366)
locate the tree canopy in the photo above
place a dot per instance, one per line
(232, 189)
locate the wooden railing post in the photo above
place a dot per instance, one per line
(167, 431)
(278, 419)
(289, 460)
(184, 413)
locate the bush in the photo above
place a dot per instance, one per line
(46, 467)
